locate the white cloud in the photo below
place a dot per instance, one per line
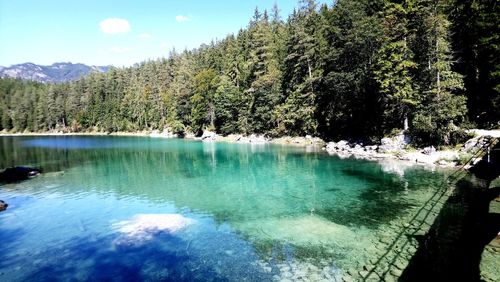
(181, 18)
(120, 49)
(164, 44)
(114, 25)
(145, 36)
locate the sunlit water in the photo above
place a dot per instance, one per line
(125, 208)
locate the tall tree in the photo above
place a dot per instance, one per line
(203, 107)
(394, 68)
(444, 106)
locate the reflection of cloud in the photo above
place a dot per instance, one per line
(181, 18)
(114, 25)
(145, 36)
(143, 227)
(120, 49)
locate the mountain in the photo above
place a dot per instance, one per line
(58, 72)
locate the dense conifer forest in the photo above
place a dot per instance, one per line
(358, 69)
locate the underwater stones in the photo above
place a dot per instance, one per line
(363, 273)
(3, 205)
(390, 278)
(351, 272)
(400, 264)
(385, 240)
(396, 272)
(347, 278)
(143, 227)
(368, 267)
(307, 230)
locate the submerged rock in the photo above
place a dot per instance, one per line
(18, 173)
(143, 227)
(3, 205)
(307, 230)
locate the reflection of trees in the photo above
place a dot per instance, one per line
(385, 197)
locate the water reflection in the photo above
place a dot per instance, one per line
(270, 205)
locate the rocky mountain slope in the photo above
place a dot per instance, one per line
(58, 72)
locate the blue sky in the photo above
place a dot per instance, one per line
(120, 33)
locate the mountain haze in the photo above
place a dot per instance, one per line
(57, 72)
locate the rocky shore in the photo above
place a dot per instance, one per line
(393, 148)
(398, 148)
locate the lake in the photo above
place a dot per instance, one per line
(133, 208)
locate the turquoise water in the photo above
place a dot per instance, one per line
(129, 208)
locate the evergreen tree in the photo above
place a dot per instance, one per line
(203, 107)
(444, 106)
(394, 68)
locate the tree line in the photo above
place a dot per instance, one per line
(357, 69)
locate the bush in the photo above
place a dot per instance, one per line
(463, 158)
(459, 136)
(426, 132)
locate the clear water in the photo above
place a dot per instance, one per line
(251, 212)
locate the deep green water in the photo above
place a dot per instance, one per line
(252, 212)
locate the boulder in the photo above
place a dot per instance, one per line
(208, 136)
(189, 135)
(474, 144)
(3, 205)
(371, 148)
(337, 147)
(258, 139)
(331, 147)
(429, 150)
(18, 173)
(343, 145)
(166, 133)
(393, 144)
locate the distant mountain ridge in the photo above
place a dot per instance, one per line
(56, 73)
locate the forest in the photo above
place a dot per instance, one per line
(354, 69)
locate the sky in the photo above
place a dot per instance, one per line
(118, 32)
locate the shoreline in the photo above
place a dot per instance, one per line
(390, 149)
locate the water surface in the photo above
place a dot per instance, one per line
(251, 212)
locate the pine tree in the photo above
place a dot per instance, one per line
(445, 105)
(394, 68)
(203, 107)
(302, 73)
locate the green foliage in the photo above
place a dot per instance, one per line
(202, 102)
(463, 158)
(394, 68)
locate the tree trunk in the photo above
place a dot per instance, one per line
(438, 74)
